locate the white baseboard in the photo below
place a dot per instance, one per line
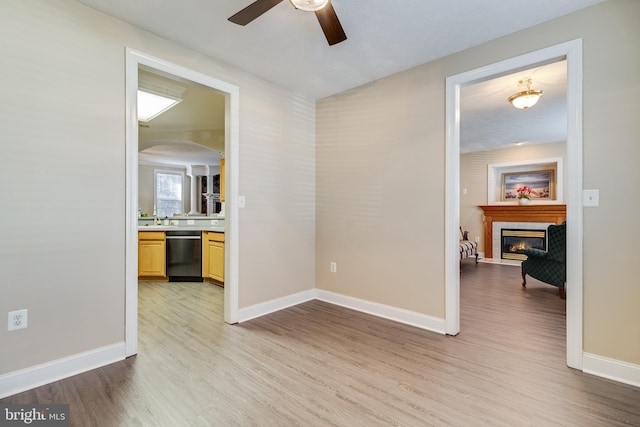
(35, 376)
(612, 369)
(408, 317)
(263, 308)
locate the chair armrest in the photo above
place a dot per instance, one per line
(535, 253)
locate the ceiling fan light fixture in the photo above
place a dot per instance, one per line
(309, 5)
(527, 98)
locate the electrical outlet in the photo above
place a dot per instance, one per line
(333, 267)
(17, 320)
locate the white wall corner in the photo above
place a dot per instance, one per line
(36, 376)
(274, 305)
(407, 317)
(612, 369)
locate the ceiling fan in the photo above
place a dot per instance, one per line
(323, 9)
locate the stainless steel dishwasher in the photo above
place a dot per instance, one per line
(184, 255)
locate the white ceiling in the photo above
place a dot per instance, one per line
(173, 137)
(183, 153)
(488, 121)
(383, 38)
(287, 46)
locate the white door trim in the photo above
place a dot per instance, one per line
(232, 112)
(572, 51)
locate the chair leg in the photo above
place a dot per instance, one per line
(563, 293)
(476, 258)
(524, 279)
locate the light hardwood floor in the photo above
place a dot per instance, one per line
(316, 364)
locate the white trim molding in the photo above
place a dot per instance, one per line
(572, 52)
(612, 369)
(38, 375)
(274, 305)
(495, 173)
(133, 60)
(400, 315)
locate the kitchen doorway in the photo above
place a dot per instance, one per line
(572, 52)
(134, 61)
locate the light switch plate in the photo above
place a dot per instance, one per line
(242, 202)
(590, 197)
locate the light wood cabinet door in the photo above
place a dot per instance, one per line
(216, 260)
(213, 256)
(222, 180)
(205, 254)
(152, 257)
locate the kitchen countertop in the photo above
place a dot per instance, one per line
(180, 228)
(215, 216)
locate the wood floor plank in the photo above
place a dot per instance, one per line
(317, 364)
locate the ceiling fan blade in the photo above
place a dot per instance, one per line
(331, 25)
(253, 11)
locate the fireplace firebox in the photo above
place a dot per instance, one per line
(515, 241)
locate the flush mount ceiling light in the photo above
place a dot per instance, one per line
(151, 105)
(309, 5)
(156, 96)
(527, 98)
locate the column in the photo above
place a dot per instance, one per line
(194, 190)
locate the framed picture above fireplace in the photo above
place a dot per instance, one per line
(541, 183)
(544, 176)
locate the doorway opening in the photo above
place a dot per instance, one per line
(134, 62)
(572, 52)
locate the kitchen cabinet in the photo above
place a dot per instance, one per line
(222, 180)
(213, 256)
(152, 260)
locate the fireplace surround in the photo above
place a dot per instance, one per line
(543, 213)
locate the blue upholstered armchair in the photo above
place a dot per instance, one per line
(549, 266)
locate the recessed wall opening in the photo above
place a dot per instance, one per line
(572, 52)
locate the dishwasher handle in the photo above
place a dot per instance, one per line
(183, 237)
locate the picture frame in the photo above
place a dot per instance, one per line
(541, 182)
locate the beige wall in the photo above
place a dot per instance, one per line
(380, 177)
(473, 177)
(62, 127)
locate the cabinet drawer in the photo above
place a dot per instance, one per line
(150, 235)
(216, 237)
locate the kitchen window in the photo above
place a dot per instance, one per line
(168, 195)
